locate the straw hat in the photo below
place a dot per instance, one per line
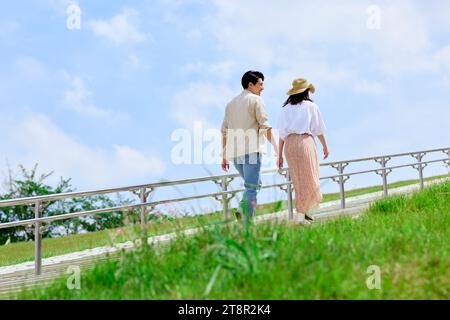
(300, 85)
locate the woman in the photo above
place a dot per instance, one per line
(300, 121)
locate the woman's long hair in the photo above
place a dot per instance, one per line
(298, 98)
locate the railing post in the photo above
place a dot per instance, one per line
(223, 183)
(288, 189)
(385, 189)
(447, 162)
(225, 199)
(37, 239)
(421, 172)
(143, 209)
(419, 156)
(383, 161)
(289, 196)
(341, 186)
(340, 168)
(143, 197)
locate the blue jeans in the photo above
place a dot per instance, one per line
(249, 167)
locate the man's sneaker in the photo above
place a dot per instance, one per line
(309, 217)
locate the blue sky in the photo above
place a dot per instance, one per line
(100, 104)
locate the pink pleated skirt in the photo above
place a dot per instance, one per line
(304, 169)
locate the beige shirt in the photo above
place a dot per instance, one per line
(244, 125)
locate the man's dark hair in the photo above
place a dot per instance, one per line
(251, 76)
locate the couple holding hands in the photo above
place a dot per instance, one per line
(244, 127)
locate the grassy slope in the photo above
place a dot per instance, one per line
(24, 251)
(407, 237)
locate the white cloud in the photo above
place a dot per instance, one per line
(34, 138)
(392, 129)
(141, 164)
(198, 101)
(78, 99)
(369, 87)
(255, 29)
(133, 61)
(120, 29)
(30, 67)
(442, 57)
(325, 77)
(328, 42)
(61, 5)
(223, 69)
(194, 35)
(8, 27)
(289, 34)
(178, 3)
(322, 21)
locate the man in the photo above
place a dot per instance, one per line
(243, 129)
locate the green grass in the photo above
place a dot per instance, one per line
(24, 251)
(405, 236)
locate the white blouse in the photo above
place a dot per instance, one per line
(301, 118)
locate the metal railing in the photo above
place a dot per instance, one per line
(143, 191)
